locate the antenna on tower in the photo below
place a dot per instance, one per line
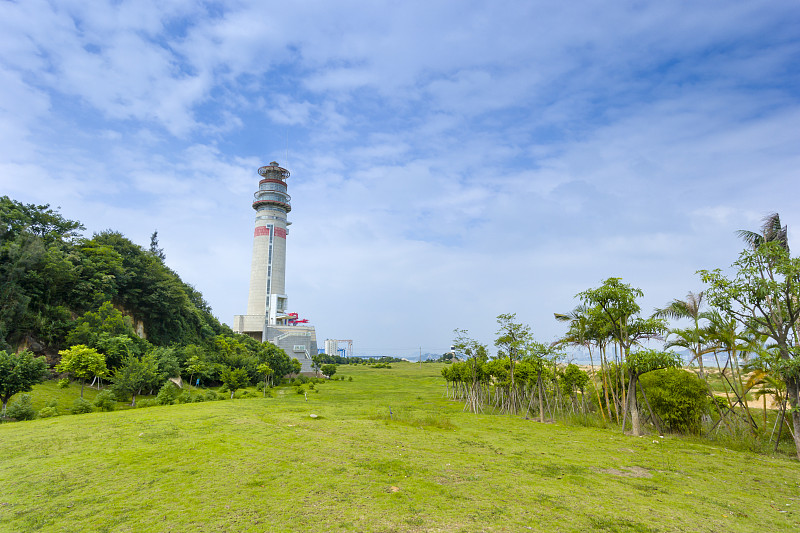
(287, 149)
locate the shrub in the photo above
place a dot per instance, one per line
(168, 394)
(185, 397)
(105, 401)
(678, 398)
(211, 395)
(350, 378)
(21, 409)
(147, 402)
(81, 406)
(63, 383)
(47, 412)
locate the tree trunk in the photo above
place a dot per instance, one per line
(792, 390)
(633, 407)
(541, 401)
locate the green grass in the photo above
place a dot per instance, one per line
(266, 465)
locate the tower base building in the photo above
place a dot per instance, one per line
(268, 318)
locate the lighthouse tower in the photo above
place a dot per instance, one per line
(268, 317)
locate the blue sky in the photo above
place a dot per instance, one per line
(450, 161)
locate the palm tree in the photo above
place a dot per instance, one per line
(690, 338)
(771, 231)
(580, 334)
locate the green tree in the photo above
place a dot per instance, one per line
(297, 366)
(475, 356)
(235, 379)
(616, 303)
(19, 373)
(764, 295)
(265, 371)
(316, 363)
(328, 370)
(641, 362)
(133, 375)
(512, 340)
(105, 320)
(82, 362)
(693, 338)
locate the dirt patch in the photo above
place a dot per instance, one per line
(626, 471)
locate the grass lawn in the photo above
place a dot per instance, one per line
(265, 465)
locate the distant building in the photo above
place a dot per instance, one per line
(268, 317)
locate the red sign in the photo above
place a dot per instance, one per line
(262, 230)
(280, 232)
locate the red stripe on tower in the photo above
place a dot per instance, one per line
(262, 230)
(280, 232)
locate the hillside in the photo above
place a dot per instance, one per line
(50, 275)
(386, 453)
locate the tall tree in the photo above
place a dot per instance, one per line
(616, 301)
(155, 249)
(689, 338)
(764, 295)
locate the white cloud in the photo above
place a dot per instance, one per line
(449, 161)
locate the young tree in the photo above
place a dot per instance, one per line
(512, 340)
(265, 371)
(235, 379)
(641, 362)
(328, 370)
(764, 295)
(18, 373)
(316, 363)
(475, 356)
(133, 375)
(82, 362)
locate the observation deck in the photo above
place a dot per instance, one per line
(272, 189)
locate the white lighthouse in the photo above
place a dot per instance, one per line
(268, 317)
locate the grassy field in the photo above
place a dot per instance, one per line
(386, 453)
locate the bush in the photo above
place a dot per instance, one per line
(21, 409)
(185, 397)
(105, 401)
(81, 406)
(350, 378)
(47, 412)
(63, 383)
(211, 395)
(147, 402)
(678, 398)
(168, 394)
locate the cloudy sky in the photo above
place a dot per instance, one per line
(451, 160)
